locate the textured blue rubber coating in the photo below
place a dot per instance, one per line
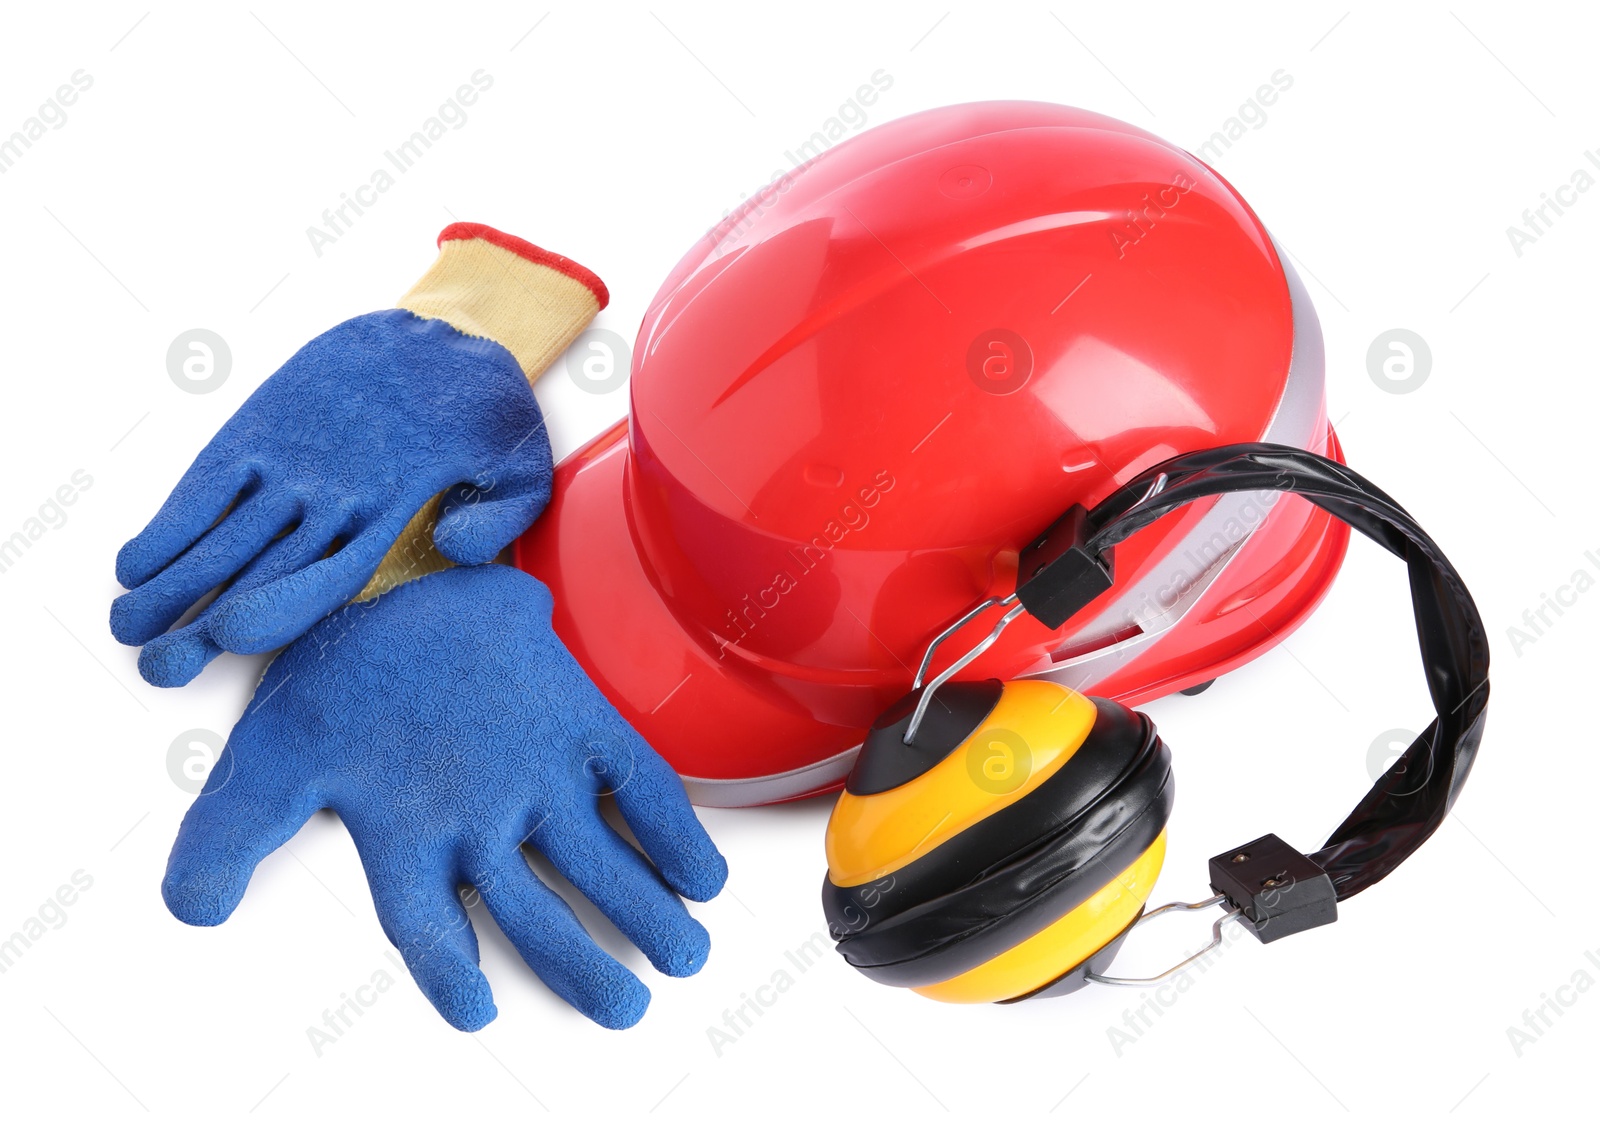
(448, 727)
(303, 491)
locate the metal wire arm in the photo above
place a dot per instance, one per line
(1216, 940)
(961, 662)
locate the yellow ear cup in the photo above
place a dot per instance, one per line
(1033, 728)
(1006, 851)
(1069, 941)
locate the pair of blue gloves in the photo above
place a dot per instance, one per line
(441, 717)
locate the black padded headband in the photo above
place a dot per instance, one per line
(1415, 794)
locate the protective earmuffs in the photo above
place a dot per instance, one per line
(998, 841)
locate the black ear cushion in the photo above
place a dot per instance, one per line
(1015, 872)
(1118, 741)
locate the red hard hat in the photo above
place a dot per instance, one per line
(856, 399)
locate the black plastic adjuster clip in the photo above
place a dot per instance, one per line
(1277, 890)
(1057, 575)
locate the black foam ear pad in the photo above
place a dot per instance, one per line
(1019, 869)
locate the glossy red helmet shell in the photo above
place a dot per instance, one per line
(855, 400)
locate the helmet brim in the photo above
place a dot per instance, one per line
(676, 690)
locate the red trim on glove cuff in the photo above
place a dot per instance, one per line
(524, 249)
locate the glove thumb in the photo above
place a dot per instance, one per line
(477, 522)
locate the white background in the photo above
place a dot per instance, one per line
(177, 195)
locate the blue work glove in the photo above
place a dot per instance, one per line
(448, 727)
(306, 490)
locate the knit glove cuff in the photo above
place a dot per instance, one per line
(487, 283)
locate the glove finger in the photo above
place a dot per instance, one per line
(621, 882)
(274, 614)
(653, 802)
(235, 823)
(478, 520)
(148, 611)
(200, 499)
(175, 658)
(556, 947)
(425, 921)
